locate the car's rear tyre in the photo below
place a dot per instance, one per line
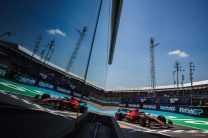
(83, 109)
(118, 116)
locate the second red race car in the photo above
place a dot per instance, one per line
(146, 120)
(63, 103)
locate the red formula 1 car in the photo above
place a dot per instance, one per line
(63, 103)
(147, 120)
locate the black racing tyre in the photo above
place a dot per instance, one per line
(45, 96)
(162, 118)
(83, 109)
(118, 116)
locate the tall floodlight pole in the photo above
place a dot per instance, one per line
(177, 69)
(152, 62)
(35, 50)
(42, 54)
(50, 46)
(76, 48)
(191, 70)
(174, 81)
(182, 77)
(37, 44)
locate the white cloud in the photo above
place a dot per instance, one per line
(178, 53)
(56, 32)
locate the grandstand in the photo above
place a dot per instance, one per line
(17, 64)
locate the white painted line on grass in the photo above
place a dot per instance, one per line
(178, 131)
(13, 96)
(181, 119)
(149, 131)
(192, 131)
(164, 131)
(3, 92)
(26, 101)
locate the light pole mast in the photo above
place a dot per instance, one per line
(191, 69)
(152, 62)
(37, 44)
(50, 46)
(177, 69)
(174, 82)
(76, 48)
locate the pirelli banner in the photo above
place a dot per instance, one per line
(186, 110)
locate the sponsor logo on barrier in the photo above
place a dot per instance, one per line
(190, 111)
(168, 108)
(134, 105)
(147, 106)
(63, 90)
(2, 72)
(24, 79)
(46, 85)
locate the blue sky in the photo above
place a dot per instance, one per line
(180, 25)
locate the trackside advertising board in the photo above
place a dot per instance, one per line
(186, 110)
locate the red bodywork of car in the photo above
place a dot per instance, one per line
(51, 101)
(72, 103)
(135, 115)
(132, 115)
(151, 119)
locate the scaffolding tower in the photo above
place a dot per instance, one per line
(76, 48)
(152, 63)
